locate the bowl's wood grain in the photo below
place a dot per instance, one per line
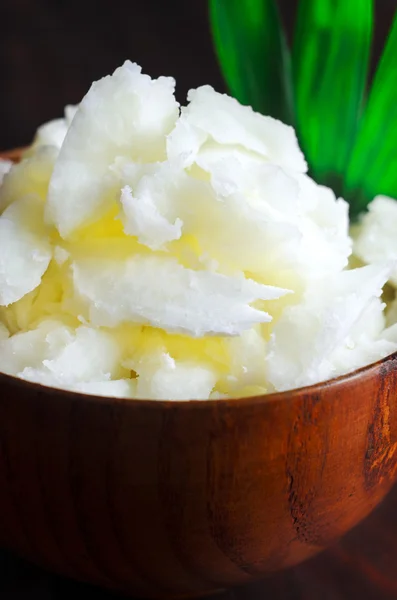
(361, 567)
(179, 498)
(165, 498)
(13, 155)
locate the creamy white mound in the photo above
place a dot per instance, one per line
(152, 251)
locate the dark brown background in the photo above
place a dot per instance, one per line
(51, 50)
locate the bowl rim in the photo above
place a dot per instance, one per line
(271, 398)
(285, 396)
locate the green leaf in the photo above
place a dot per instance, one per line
(330, 67)
(253, 55)
(373, 166)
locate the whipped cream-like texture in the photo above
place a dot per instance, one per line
(153, 251)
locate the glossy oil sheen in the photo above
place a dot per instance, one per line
(169, 499)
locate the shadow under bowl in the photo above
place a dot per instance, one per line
(171, 499)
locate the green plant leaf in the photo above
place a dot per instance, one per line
(373, 166)
(253, 55)
(330, 66)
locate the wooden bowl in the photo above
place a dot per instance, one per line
(171, 499)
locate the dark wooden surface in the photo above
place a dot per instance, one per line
(363, 567)
(173, 498)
